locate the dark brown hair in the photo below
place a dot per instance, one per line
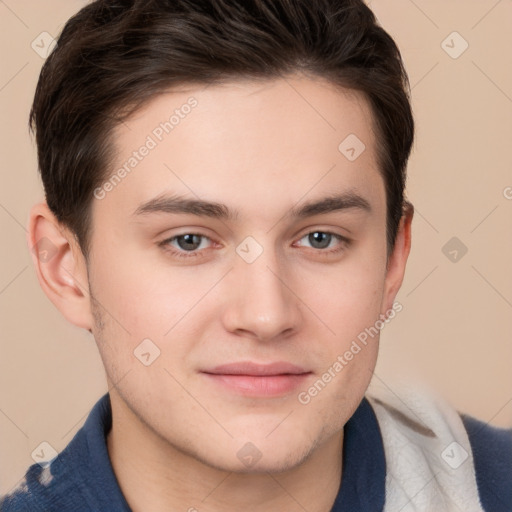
(115, 55)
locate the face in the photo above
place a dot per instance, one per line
(233, 265)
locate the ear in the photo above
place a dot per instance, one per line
(60, 266)
(398, 258)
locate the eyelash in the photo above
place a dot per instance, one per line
(344, 243)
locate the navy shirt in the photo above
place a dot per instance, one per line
(82, 478)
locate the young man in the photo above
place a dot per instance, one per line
(225, 213)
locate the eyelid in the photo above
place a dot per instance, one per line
(166, 241)
(343, 240)
(336, 231)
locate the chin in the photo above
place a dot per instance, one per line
(263, 462)
(261, 456)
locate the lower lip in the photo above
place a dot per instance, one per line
(262, 386)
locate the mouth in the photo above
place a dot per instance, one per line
(258, 380)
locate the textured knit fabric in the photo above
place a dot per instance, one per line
(429, 460)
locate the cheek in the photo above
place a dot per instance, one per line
(347, 300)
(144, 299)
(167, 305)
(347, 348)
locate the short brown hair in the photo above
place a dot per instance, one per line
(115, 55)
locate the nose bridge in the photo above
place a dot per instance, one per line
(261, 302)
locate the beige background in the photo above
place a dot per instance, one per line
(455, 329)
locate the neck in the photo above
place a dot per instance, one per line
(154, 475)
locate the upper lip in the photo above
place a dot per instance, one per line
(256, 369)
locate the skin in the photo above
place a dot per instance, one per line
(261, 149)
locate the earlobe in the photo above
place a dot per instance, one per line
(398, 258)
(60, 266)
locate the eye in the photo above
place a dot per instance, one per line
(322, 240)
(191, 245)
(186, 245)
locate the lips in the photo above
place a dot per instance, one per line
(258, 380)
(254, 369)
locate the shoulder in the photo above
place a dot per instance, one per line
(425, 439)
(80, 478)
(492, 455)
(44, 488)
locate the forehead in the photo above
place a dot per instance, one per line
(258, 144)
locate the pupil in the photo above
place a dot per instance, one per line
(190, 241)
(319, 240)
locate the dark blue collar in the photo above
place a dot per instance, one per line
(364, 464)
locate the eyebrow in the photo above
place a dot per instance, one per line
(182, 205)
(345, 201)
(179, 204)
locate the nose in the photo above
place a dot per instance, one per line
(260, 301)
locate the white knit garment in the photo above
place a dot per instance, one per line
(429, 462)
